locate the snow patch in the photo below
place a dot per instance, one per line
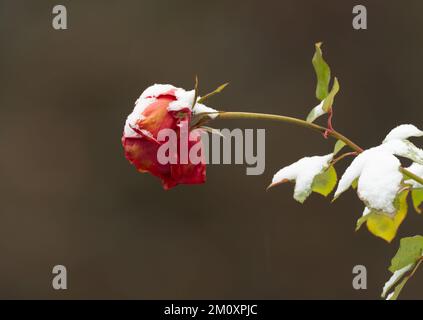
(303, 172)
(316, 112)
(157, 90)
(403, 132)
(394, 278)
(377, 169)
(184, 100)
(380, 181)
(140, 105)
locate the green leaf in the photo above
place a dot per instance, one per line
(354, 184)
(325, 182)
(409, 252)
(216, 91)
(322, 71)
(417, 197)
(398, 289)
(383, 225)
(327, 104)
(404, 264)
(338, 147)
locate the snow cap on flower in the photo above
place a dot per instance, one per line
(163, 106)
(182, 99)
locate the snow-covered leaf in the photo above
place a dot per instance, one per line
(304, 173)
(384, 225)
(396, 142)
(379, 179)
(323, 75)
(377, 169)
(398, 275)
(324, 106)
(403, 148)
(316, 112)
(403, 132)
(403, 265)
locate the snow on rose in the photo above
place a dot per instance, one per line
(166, 116)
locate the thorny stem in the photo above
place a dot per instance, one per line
(302, 123)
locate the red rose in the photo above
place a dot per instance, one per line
(164, 107)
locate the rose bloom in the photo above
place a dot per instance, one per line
(164, 107)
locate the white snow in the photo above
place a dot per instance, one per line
(403, 148)
(156, 90)
(394, 278)
(303, 172)
(380, 181)
(352, 172)
(136, 115)
(377, 169)
(316, 112)
(403, 132)
(201, 108)
(390, 295)
(184, 99)
(417, 169)
(366, 211)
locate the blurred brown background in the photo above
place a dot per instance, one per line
(68, 196)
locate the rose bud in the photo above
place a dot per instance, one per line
(166, 111)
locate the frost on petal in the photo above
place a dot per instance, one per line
(303, 172)
(403, 132)
(417, 169)
(394, 279)
(380, 181)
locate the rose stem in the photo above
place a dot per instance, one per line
(302, 123)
